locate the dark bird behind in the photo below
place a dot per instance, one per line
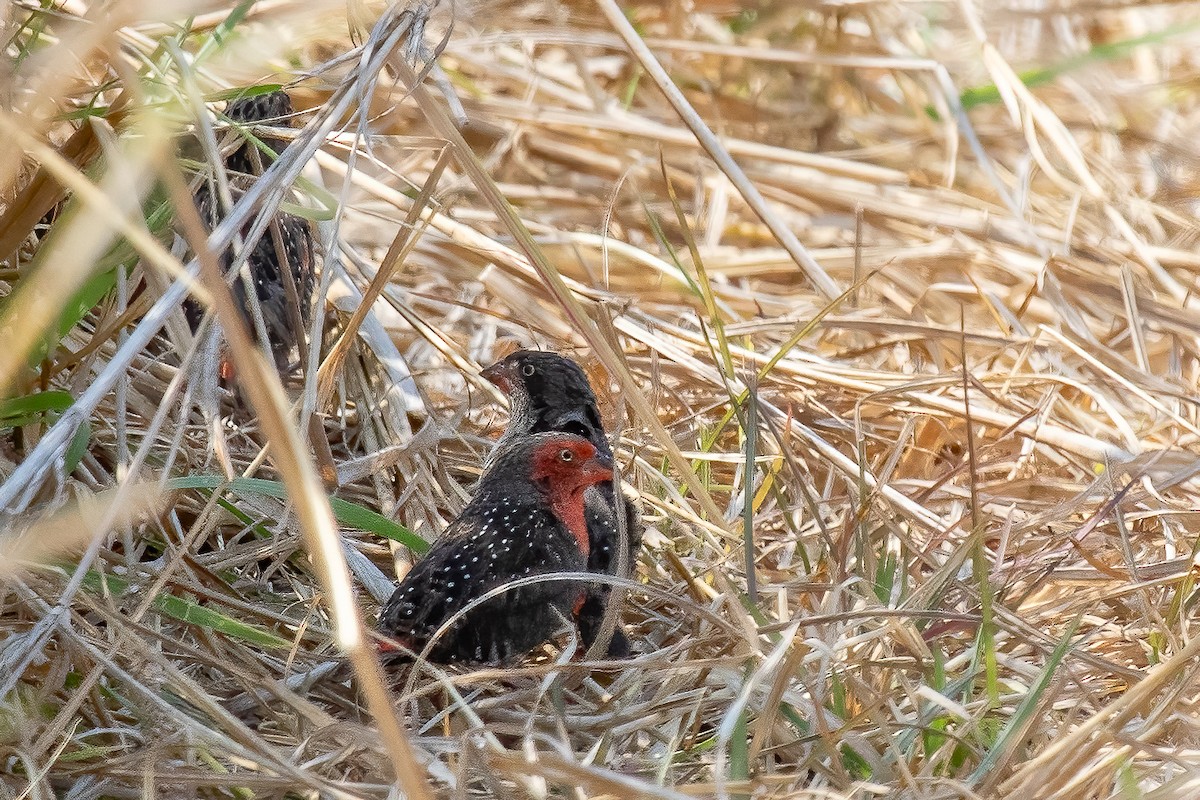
(285, 311)
(526, 519)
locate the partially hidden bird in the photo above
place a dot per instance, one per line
(550, 392)
(526, 519)
(271, 268)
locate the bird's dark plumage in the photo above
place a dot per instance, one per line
(526, 518)
(273, 108)
(549, 392)
(266, 264)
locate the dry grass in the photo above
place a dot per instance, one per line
(960, 326)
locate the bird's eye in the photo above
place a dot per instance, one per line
(566, 455)
(527, 370)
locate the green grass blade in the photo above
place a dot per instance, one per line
(190, 612)
(351, 515)
(739, 752)
(1040, 76)
(1014, 730)
(28, 408)
(751, 445)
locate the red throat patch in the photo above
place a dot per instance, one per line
(566, 466)
(568, 507)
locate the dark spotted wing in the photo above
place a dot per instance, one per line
(469, 560)
(266, 265)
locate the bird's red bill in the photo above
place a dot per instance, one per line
(497, 374)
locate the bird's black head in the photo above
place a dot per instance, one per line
(549, 392)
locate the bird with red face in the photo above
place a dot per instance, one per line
(550, 392)
(526, 519)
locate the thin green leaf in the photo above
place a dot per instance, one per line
(1039, 76)
(739, 751)
(348, 514)
(190, 612)
(223, 32)
(30, 406)
(240, 92)
(750, 427)
(78, 447)
(1014, 730)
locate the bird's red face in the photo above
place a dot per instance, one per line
(565, 466)
(569, 464)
